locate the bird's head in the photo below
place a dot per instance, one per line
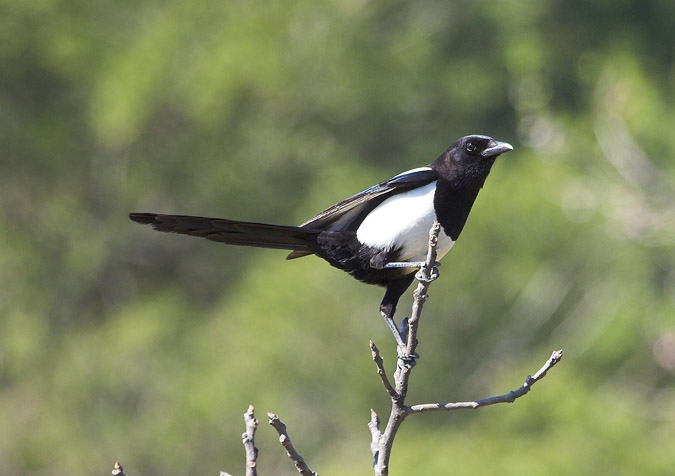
(470, 158)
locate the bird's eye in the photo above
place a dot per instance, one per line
(471, 147)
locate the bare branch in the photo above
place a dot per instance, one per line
(382, 443)
(374, 427)
(285, 441)
(406, 360)
(248, 439)
(506, 398)
(381, 372)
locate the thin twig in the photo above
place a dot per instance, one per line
(506, 398)
(285, 441)
(381, 372)
(248, 439)
(374, 427)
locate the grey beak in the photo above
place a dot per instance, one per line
(495, 148)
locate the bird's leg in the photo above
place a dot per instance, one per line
(387, 310)
(381, 261)
(398, 335)
(415, 264)
(388, 307)
(404, 264)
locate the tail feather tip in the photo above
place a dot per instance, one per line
(143, 218)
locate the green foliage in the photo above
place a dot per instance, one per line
(120, 343)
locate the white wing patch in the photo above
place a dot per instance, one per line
(403, 222)
(411, 171)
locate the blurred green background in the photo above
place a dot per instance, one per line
(117, 342)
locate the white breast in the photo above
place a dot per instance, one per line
(403, 222)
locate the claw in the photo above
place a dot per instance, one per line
(408, 361)
(433, 276)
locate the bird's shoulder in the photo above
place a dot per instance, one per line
(350, 212)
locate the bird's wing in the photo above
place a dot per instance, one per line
(348, 214)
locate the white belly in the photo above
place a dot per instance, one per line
(403, 222)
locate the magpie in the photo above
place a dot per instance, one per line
(380, 235)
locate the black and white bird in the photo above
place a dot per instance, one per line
(370, 234)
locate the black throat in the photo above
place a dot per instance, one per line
(456, 195)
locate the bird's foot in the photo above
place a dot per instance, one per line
(433, 275)
(407, 360)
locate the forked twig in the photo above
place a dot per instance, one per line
(382, 443)
(406, 362)
(510, 397)
(285, 441)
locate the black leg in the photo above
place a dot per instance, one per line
(395, 290)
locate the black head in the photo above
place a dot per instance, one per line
(469, 159)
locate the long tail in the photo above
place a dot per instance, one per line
(232, 232)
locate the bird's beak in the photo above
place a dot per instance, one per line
(495, 148)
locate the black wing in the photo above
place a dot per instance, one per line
(348, 214)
